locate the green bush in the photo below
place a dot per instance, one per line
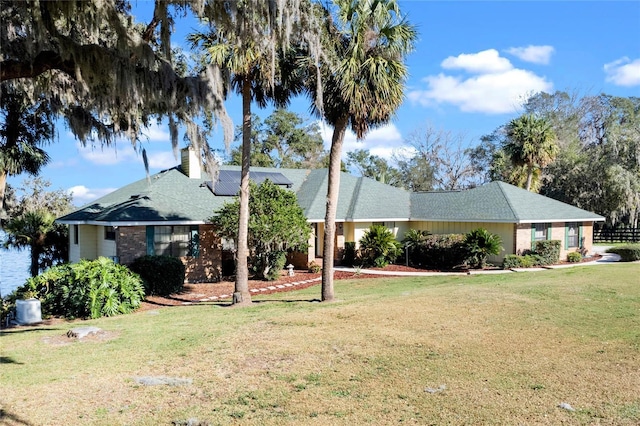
(349, 255)
(162, 275)
(445, 251)
(414, 242)
(270, 265)
(479, 245)
(314, 267)
(627, 252)
(517, 261)
(378, 247)
(85, 289)
(549, 251)
(574, 257)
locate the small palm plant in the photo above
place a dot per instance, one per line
(414, 241)
(481, 244)
(379, 247)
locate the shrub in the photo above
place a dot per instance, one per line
(314, 267)
(627, 252)
(378, 247)
(162, 275)
(349, 255)
(517, 261)
(549, 251)
(414, 242)
(574, 257)
(86, 289)
(479, 245)
(445, 251)
(271, 265)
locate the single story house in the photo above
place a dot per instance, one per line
(168, 214)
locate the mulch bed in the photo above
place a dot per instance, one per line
(221, 292)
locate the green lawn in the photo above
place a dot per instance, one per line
(480, 349)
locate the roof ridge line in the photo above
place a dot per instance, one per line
(504, 194)
(355, 195)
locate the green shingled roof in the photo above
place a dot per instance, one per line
(171, 197)
(494, 202)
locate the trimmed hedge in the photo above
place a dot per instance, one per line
(627, 252)
(162, 275)
(549, 251)
(445, 251)
(574, 257)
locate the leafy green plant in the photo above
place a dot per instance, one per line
(414, 241)
(162, 275)
(444, 251)
(277, 224)
(314, 267)
(349, 255)
(86, 289)
(481, 244)
(549, 251)
(627, 252)
(378, 247)
(574, 257)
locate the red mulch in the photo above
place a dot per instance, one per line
(195, 293)
(223, 291)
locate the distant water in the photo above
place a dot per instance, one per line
(14, 268)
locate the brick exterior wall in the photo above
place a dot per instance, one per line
(208, 266)
(522, 237)
(132, 243)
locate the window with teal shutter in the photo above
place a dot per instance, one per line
(150, 240)
(173, 240)
(572, 237)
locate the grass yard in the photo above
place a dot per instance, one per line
(461, 350)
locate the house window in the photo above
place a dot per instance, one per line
(109, 233)
(573, 235)
(76, 230)
(541, 231)
(176, 241)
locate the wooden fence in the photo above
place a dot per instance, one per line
(631, 235)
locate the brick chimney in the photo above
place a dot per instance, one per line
(190, 163)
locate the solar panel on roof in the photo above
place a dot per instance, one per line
(228, 183)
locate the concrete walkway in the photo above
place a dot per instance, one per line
(607, 258)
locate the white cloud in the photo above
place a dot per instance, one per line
(108, 155)
(496, 88)
(162, 160)
(157, 133)
(534, 54)
(382, 141)
(623, 72)
(487, 61)
(82, 194)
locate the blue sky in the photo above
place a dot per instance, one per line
(473, 65)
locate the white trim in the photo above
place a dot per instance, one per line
(528, 221)
(134, 223)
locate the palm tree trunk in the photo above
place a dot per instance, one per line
(529, 178)
(333, 187)
(241, 294)
(3, 186)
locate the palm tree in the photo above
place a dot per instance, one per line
(31, 230)
(250, 41)
(23, 128)
(362, 86)
(532, 145)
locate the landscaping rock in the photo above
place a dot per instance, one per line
(566, 406)
(82, 332)
(162, 380)
(440, 388)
